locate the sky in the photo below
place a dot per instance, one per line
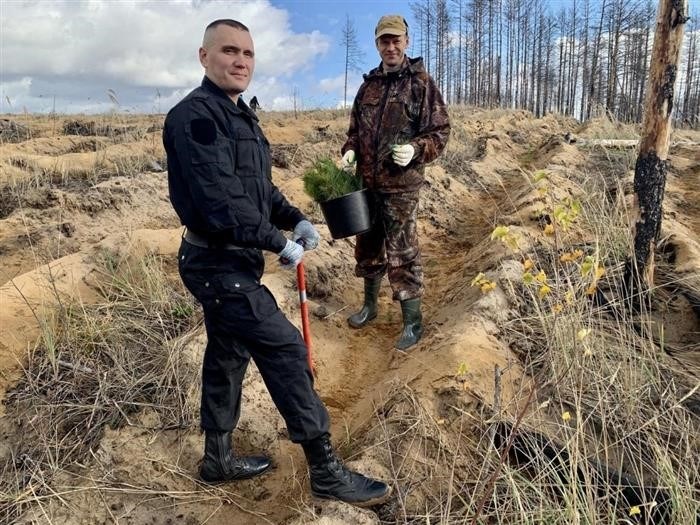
(140, 56)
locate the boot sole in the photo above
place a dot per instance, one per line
(361, 504)
(218, 481)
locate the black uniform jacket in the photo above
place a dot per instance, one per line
(220, 173)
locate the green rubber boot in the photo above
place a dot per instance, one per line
(369, 308)
(412, 324)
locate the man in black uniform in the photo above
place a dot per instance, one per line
(220, 182)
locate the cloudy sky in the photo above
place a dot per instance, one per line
(68, 54)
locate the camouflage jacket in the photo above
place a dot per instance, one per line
(397, 108)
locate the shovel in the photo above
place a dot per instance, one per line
(306, 331)
(304, 307)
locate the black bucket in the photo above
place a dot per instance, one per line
(347, 215)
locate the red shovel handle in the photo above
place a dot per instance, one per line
(306, 331)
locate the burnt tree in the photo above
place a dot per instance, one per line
(651, 166)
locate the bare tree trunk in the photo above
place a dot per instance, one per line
(533, 62)
(560, 84)
(594, 66)
(585, 73)
(526, 49)
(573, 68)
(650, 170)
(689, 72)
(547, 74)
(518, 43)
(613, 49)
(499, 57)
(458, 87)
(640, 96)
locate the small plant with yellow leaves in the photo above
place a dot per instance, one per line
(540, 176)
(483, 283)
(539, 280)
(593, 269)
(565, 214)
(503, 234)
(541, 180)
(461, 374)
(462, 370)
(572, 256)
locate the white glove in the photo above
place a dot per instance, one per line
(402, 154)
(305, 231)
(348, 159)
(291, 256)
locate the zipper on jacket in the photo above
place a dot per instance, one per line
(379, 127)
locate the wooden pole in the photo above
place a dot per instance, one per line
(651, 166)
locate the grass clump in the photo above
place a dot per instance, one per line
(600, 429)
(325, 181)
(97, 367)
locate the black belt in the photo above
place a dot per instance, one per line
(202, 242)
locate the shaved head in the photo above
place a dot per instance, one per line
(228, 56)
(208, 38)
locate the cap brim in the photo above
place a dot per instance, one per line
(392, 32)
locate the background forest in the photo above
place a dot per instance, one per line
(581, 59)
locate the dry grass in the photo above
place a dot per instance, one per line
(95, 367)
(605, 436)
(604, 127)
(612, 412)
(61, 156)
(70, 134)
(462, 149)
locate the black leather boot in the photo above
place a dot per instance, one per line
(220, 464)
(369, 308)
(412, 324)
(331, 480)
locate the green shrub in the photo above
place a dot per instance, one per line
(325, 181)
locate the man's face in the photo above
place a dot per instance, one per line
(229, 59)
(392, 49)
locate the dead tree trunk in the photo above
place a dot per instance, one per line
(651, 166)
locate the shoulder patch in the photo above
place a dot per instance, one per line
(203, 130)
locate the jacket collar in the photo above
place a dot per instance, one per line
(240, 107)
(409, 66)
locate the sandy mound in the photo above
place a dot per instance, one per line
(494, 352)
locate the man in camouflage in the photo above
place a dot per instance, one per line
(398, 124)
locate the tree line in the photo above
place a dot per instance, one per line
(588, 58)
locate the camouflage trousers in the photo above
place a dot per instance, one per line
(391, 245)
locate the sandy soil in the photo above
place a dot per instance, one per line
(68, 197)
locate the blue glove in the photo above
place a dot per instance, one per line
(305, 231)
(291, 255)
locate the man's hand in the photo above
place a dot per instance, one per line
(402, 154)
(348, 159)
(291, 256)
(305, 231)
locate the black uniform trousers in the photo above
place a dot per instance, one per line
(243, 320)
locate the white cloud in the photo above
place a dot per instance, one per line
(273, 94)
(129, 44)
(17, 88)
(336, 85)
(332, 84)
(162, 103)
